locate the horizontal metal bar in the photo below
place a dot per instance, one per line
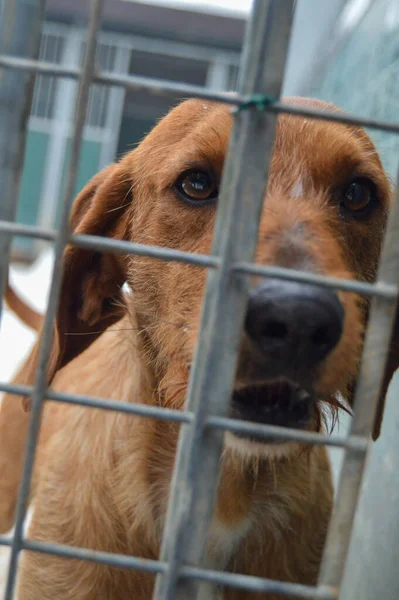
(380, 290)
(141, 410)
(16, 388)
(31, 231)
(115, 246)
(165, 87)
(5, 540)
(276, 433)
(163, 253)
(256, 584)
(130, 82)
(247, 582)
(167, 414)
(97, 556)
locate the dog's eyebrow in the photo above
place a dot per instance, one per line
(297, 190)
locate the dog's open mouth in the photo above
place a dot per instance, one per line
(275, 402)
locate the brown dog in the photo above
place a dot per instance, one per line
(102, 478)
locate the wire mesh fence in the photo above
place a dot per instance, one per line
(179, 569)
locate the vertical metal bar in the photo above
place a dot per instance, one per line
(61, 127)
(114, 109)
(46, 341)
(217, 77)
(372, 563)
(20, 29)
(371, 375)
(243, 190)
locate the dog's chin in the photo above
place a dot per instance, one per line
(279, 402)
(248, 448)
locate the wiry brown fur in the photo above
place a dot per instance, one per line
(102, 478)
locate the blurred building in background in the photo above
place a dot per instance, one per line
(345, 51)
(139, 39)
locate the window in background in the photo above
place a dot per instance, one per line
(38, 137)
(116, 119)
(142, 110)
(51, 49)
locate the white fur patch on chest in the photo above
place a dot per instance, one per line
(223, 541)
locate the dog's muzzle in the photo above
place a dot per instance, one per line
(291, 328)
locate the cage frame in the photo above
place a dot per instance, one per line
(252, 130)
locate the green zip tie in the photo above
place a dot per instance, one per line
(258, 101)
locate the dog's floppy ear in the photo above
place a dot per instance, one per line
(392, 365)
(91, 290)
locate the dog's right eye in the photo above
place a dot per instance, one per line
(196, 187)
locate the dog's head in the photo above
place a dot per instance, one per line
(324, 212)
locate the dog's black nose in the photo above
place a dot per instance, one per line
(294, 325)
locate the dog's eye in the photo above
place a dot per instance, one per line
(359, 197)
(196, 187)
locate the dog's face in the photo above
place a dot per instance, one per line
(324, 212)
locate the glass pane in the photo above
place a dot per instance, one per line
(99, 94)
(174, 68)
(51, 48)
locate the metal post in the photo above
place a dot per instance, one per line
(20, 28)
(372, 563)
(243, 190)
(371, 375)
(61, 127)
(45, 346)
(115, 106)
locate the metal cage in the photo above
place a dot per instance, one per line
(179, 569)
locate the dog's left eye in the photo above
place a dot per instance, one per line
(359, 197)
(196, 187)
